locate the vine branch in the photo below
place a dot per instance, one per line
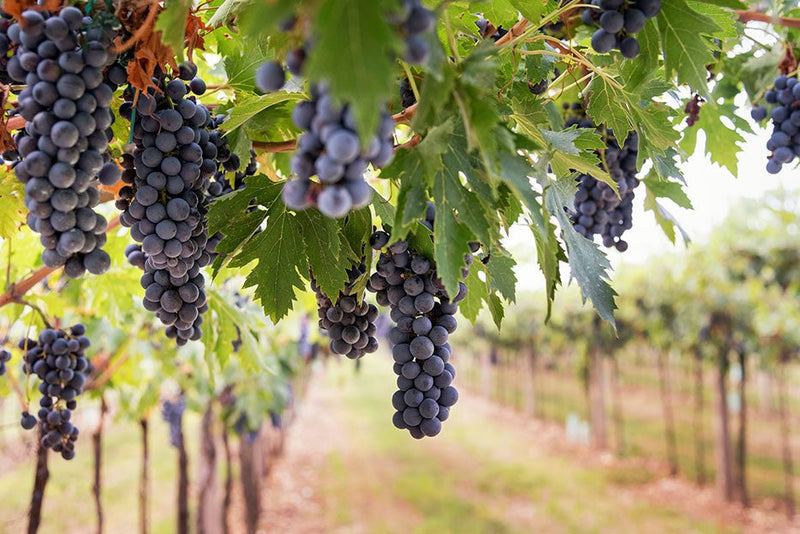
(18, 290)
(755, 16)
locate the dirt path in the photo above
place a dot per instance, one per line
(344, 472)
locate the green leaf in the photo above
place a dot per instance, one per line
(354, 52)
(671, 190)
(622, 111)
(242, 57)
(324, 251)
(171, 23)
(686, 50)
(664, 219)
(722, 143)
(451, 237)
(249, 106)
(280, 262)
(413, 196)
(12, 207)
(641, 69)
(515, 172)
(228, 9)
(589, 266)
(531, 9)
(500, 275)
(476, 295)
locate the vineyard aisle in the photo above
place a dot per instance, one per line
(490, 471)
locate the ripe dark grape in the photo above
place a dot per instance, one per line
(618, 22)
(422, 312)
(165, 199)
(57, 358)
(330, 150)
(692, 109)
(63, 146)
(783, 108)
(407, 98)
(597, 208)
(413, 21)
(172, 413)
(5, 357)
(350, 324)
(270, 77)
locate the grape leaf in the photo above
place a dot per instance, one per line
(413, 196)
(353, 52)
(589, 266)
(280, 262)
(500, 275)
(12, 207)
(249, 106)
(324, 251)
(722, 143)
(686, 50)
(668, 189)
(171, 23)
(477, 293)
(515, 173)
(664, 219)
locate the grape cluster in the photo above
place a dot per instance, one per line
(784, 143)
(597, 207)
(330, 150)
(424, 317)
(172, 413)
(5, 357)
(692, 110)
(67, 108)
(58, 359)
(619, 21)
(164, 202)
(350, 324)
(407, 98)
(413, 20)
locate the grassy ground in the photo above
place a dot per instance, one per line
(479, 476)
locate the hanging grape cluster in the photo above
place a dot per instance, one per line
(330, 150)
(168, 175)
(58, 359)
(172, 413)
(784, 101)
(350, 324)
(66, 104)
(424, 317)
(692, 110)
(6, 47)
(5, 357)
(598, 209)
(619, 22)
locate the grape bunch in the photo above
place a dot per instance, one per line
(424, 317)
(330, 150)
(619, 21)
(413, 20)
(407, 98)
(172, 413)
(5, 357)
(58, 359)
(350, 324)
(692, 110)
(66, 104)
(175, 156)
(784, 100)
(597, 207)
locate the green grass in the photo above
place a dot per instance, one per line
(69, 504)
(560, 394)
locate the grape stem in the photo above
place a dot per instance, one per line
(18, 290)
(755, 16)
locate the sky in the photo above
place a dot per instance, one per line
(713, 192)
